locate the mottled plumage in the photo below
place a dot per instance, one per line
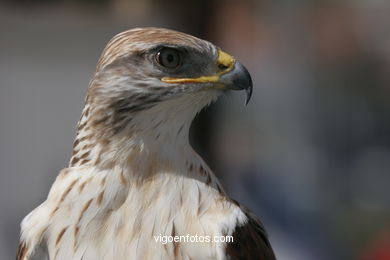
(133, 174)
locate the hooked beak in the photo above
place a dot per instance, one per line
(238, 79)
(232, 75)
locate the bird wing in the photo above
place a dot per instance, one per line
(250, 241)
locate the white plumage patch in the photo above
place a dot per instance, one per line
(123, 222)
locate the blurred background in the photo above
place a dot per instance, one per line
(310, 154)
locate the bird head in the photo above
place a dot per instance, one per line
(147, 66)
(154, 81)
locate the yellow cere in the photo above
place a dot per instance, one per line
(226, 60)
(223, 59)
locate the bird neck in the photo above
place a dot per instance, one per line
(145, 142)
(142, 144)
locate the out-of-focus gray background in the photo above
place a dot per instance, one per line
(310, 154)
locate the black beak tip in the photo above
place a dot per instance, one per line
(248, 86)
(243, 80)
(248, 91)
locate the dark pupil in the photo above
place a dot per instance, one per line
(170, 58)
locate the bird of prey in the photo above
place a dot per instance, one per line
(133, 176)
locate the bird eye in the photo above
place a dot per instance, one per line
(169, 58)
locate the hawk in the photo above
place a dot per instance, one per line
(133, 175)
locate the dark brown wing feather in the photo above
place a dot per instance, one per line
(250, 242)
(22, 250)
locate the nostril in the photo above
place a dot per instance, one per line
(222, 66)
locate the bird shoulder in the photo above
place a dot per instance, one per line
(250, 240)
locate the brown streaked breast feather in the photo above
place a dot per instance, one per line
(250, 242)
(22, 250)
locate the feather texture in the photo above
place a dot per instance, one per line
(133, 174)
